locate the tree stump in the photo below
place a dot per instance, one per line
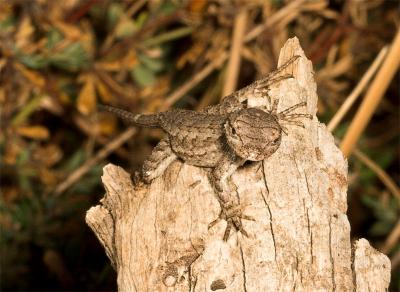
(157, 235)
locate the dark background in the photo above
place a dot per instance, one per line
(59, 58)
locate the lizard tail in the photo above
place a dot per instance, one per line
(148, 121)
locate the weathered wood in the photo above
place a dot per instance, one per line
(157, 235)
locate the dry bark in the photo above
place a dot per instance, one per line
(157, 235)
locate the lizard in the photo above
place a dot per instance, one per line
(220, 138)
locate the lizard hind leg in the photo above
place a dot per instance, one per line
(161, 157)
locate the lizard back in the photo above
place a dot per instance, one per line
(195, 137)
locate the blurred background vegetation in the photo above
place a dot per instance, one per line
(58, 59)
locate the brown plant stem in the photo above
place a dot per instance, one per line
(100, 155)
(344, 108)
(233, 68)
(373, 97)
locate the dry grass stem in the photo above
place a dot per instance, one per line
(337, 118)
(276, 17)
(196, 79)
(135, 7)
(373, 97)
(392, 239)
(382, 175)
(87, 129)
(233, 69)
(101, 154)
(395, 260)
(181, 91)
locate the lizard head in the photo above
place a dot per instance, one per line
(253, 134)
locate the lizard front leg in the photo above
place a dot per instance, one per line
(161, 157)
(230, 207)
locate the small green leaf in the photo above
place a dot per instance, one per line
(341, 130)
(53, 37)
(126, 27)
(114, 12)
(168, 36)
(24, 183)
(23, 156)
(72, 58)
(33, 61)
(96, 171)
(167, 7)
(7, 23)
(27, 110)
(384, 158)
(155, 65)
(385, 214)
(75, 161)
(141, 19)
(142, 75)
(380, 228)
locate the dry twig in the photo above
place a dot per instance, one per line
(254, 33)
(381, 174)
(233, 68)
(274, 19)
(196, 79)
(392, 239)
(337, 118)
(395, 260)
(373, 97)
(106, 150)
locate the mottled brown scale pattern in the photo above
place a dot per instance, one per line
(196, 138)
(221, 137)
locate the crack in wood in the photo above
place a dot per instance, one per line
(243, 269)
(309, 232)
(272, 229)
(264, 177)
(308, 186)
(331, 256)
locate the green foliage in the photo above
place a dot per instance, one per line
(143, 75)
(72, 58)
(386, 214)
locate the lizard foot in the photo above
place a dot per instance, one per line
(232, 214)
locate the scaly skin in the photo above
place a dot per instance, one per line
(221, 138)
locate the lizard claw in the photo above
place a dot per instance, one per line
(233, 216)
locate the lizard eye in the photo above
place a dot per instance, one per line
(233, 131)
(275, 142)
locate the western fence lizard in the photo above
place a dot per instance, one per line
(221, 138)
